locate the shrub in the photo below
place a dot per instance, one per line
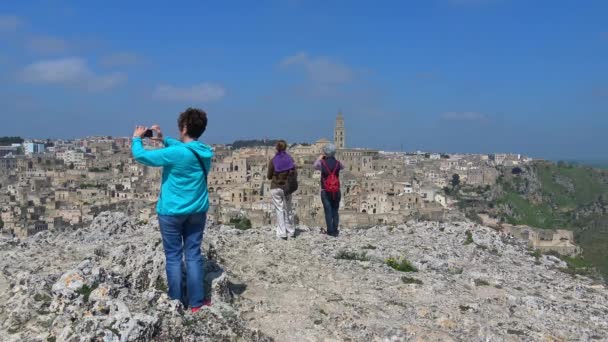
(86, 290)
(402, 265)
(241, 223)
(481, 282)
(100, 252)
(346, 255)
(535, 253)
(469, 239)
(160, 285)
(578, 265)
(408, 280)
(42, 298)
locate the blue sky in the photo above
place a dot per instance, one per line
(442, 75)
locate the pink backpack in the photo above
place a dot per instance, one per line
(331, 184)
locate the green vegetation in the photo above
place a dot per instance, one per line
(469, 239)
(401, 264)
(241, 223)
(408, 280)
(99, 169)
(578, 265)
(254, 143)
(347, 255)
(86, 290)
(455, 180)
(7, 141)
(100, 252)
(481, 282)
(42, 298)
(1, 223)
(535, 253)
(114, 331)
(525, 212)
(90, 186)
(556, 196)
(160, 285)
(51, 339)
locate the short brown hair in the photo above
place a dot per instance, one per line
(281, 145)
(195, 121)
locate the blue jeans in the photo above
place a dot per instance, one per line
(182, 237)
(331, 205)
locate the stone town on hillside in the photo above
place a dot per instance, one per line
(66, 183)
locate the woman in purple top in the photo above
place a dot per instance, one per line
(279, 170)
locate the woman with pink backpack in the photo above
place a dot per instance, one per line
(330, 187)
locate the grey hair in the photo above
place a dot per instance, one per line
(329, 150)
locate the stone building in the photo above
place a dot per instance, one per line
(340, 132)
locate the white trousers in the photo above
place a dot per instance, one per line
(282, 205)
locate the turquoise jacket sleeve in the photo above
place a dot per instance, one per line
(170, 141)
(161, 157)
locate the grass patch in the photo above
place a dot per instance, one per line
(402, 265)
(347, 255)
(51, 339)
(481, 282)
(578, 265)
(409, 280)
(469, 239)
(188, 322)
(115, 331)
(457, 271)
(100, 252)
(160, 285)
(369, 247)
(526, 213)
(42, 298)
(535, 253)
(86, 290)
(241, 223)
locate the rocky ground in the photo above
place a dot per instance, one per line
(107, 282)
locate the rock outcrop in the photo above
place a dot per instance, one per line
(470, 283)
(106, 283)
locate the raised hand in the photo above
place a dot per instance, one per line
(139, 131)
(159, 132)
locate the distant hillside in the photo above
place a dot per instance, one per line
(259, 143)
(554, 196)
(253, 143)
(7, 141)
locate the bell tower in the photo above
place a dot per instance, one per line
(339, 132)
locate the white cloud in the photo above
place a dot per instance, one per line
(120, 59)
(464, 116)
(321, 70)
(69, 71)
(47, 45)
(9, 23)
(104, 82)
(204, 92)
(66, 70)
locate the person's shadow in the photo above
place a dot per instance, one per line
(212, 271)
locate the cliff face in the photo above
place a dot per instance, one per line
(106, 282)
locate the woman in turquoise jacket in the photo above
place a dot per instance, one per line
(183, 201)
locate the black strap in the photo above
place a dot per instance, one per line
(200, 161)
